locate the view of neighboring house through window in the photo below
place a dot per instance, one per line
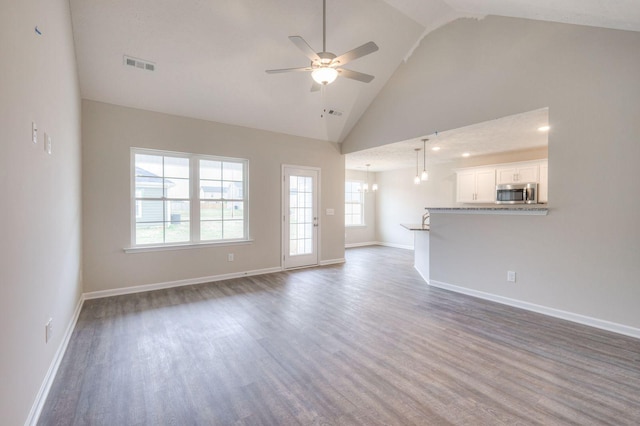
(354, 203)
(187, 198)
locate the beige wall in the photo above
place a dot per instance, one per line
(583, 258)
(110, 131)
(358, 235)
(40, 275)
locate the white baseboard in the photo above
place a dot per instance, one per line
(41, 397)
(426, 279)
(178, 283)
(332, 261)
(552, 312)
(400, 246)
(368, 243)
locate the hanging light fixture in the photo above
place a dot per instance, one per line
(416, 180)
(365, 186)
(425, 174)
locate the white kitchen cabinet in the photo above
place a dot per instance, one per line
(518, 173)
(543, 183)
(476, 185)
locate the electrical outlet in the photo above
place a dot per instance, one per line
(511, 276)
(230, 257)
(48, 330)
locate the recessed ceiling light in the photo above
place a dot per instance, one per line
(466, 154)
(435, 148)
(544, 128)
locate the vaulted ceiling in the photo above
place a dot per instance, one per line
(210, 56)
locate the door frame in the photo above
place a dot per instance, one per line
(284, 193)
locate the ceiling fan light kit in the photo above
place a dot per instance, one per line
(324, 75)
(325, 65)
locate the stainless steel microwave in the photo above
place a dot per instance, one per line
(517, 193)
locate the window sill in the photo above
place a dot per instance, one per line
(188, 246)
(355, 226)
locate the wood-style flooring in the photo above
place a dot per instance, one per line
(364, 343)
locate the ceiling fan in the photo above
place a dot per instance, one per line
(325, 66)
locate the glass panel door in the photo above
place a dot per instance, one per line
(300, 216)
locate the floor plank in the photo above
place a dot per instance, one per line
(364, 343)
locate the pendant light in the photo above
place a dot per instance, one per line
(416, 180)
(365, 186)
(425, 174)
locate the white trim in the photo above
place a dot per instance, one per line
(422, 276)
(41, 397)
(332, 261)
(552, 312)
(143, 249)
(400, 246)
(368, 243)
(178, 283)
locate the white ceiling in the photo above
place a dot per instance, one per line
(211, 55)
(513, 133)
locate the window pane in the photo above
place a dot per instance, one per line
(211, 230)
(210, 169)
(150, 233)
(177, 232)
(232, 171)
(149, 187)
(177, 188)
(210, 189)
(233, 229)
(210, 210)
(148, 165)
(151, 211)
(232, 190)
(176, 167)
(233, 210)
(176, 211)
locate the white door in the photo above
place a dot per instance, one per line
(300, 216)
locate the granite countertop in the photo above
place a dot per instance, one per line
(415, 226)
(525, 209)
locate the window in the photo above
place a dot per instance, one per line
(354, 203)
(186, 198)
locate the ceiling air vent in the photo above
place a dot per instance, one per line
(139, 63)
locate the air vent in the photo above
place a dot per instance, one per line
(334, 112)
(139, 63)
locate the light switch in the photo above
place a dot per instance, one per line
(330, 212)
(34, 132)
(47, 143)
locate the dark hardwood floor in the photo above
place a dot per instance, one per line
(365, 343)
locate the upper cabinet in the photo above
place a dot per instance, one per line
(518, 173)
(478, 184)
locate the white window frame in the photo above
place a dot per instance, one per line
(194, 201)
(362, 201)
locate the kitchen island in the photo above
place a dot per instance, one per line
(420, 248)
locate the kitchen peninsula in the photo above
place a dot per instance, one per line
(420, 248)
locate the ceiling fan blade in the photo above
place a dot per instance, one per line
(356, 53)
(354, 75)
(315, 87)
(306, 49)
(289, 70)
